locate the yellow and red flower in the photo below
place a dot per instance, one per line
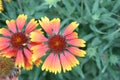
(62, 47)
(15, 41)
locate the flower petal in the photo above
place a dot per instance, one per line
(28, 66)
(65, 64)
(55, 23)
(76, 51)
(19, 59)
(70, 28)
(77, 42)
(46, 25)
(4, 42)
(73, 35)
(37, 37)
(9, 52)
(11, 25)
(37, 62)
(57, 64)
(28, 55)
(3, 39)
(38, 51)
(52, 67)
(31, 26)
(4, 45)
(72, 60)
(48, 62)
(21, 20)
(5, 32)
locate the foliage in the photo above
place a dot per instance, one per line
(99, 26)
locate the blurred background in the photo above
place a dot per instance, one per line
(99, 26)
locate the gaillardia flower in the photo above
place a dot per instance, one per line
(7, 69)
(15, 41)
(61, 46)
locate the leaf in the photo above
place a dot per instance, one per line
(95, 6)
(94, 28)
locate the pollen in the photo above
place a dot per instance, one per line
(57, 43)
(19, 40)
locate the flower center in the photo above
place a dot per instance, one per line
(19, 40)
(57, 43)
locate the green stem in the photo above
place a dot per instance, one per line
(5, 16)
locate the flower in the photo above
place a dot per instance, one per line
(15, 41)
(1, 6)
(7, 69)
(61, 46)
